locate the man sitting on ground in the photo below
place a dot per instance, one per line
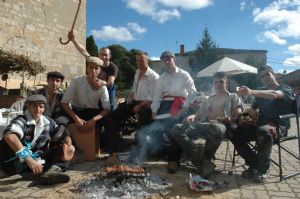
(54, 94)
(34, 143)
(217, 111)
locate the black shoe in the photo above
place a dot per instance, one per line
(249, 173)
(172, 167)
(206, 168)
(54, 176)
(261, 177)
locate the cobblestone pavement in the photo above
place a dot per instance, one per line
(236, 187)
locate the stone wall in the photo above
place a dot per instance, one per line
(33, 28)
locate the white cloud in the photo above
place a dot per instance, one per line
(292, 61)
(164, 10)
(281, 18)
(294, 49)
(132, 31)
(136, 27)
(271, 36)
(154, 58)
(295, 59)
(242, 5)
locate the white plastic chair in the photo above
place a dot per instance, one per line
(15, 109)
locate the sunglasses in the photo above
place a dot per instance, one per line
(263, 75)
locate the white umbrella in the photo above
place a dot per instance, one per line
(228, 66)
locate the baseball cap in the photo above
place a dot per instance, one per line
(167, 54)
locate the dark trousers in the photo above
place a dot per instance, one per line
(263, 135)
(14, 166)
(109, 139)
(124, 111)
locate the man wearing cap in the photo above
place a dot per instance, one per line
(54, 95)
(83, 96)
(108, 72)
(173, 93)
(34, 143)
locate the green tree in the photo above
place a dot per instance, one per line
(10, 62)
(125, 60)
(91, 46)
(206, 52)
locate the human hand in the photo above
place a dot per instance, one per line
(34, 165)
(136, 108)
(97, 83)
(244, 90)
(190, 118)
(71, 35)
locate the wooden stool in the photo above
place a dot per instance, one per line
(88, 142)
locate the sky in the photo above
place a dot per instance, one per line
(158, 25)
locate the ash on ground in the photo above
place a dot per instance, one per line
(122, 187)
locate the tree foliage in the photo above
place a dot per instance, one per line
(125, 60)
(11, 62)
(91, 46)
(206, 52)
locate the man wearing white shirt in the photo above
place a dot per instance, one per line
(142, 92)
(84, 95)
(174, 92)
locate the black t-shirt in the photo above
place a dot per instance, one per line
(269, 109)
(111, 70)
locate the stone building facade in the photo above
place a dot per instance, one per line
(243, 55)
(33, 28)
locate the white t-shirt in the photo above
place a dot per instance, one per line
(81, 94)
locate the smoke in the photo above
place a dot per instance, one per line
(151, 140)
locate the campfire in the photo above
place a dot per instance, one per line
(123, 181)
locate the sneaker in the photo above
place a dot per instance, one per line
(206, 168)
(54, 176)
(172, 167)
(261, 177)
(113, 159)
(249, 173)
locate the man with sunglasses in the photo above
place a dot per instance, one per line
(269, 103)
(216, 112)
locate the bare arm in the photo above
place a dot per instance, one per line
(15, 144)
(78, 46)
(70, 112)
(265, 94)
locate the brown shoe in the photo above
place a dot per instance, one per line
(113, 159)
(172, 167)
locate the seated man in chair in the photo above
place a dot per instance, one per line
(216, 112)
(36, 144)
(269, 103)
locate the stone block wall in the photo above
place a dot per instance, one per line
(33, 28)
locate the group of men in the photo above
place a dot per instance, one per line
(162, 104)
